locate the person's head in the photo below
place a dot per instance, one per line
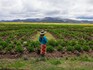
(42, 33)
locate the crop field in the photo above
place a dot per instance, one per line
(18, 39)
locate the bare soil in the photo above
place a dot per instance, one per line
(55, 54)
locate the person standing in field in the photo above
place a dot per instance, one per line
(43, 41)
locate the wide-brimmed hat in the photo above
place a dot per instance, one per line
(42, 32)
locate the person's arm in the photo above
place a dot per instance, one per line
(39, 39)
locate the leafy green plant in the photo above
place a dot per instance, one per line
(1, 39)
(50, 49)
(4, 44)
(90, 42)
(30, 48)
(70, 48)
(1, 47)
(9, 48)
(8, 40)
(60, 48)
(78, 47)
(18, 43)
(34, 43)
(53, 43)
(72, 43)
(15, 41)
(19, 49)
(62, 43)
(86, 48)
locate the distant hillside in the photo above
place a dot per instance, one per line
(50, 19)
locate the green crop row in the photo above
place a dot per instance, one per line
(17, 38)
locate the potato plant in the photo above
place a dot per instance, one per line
(60, 48)
(19, 49)
(50, 49)
(53, 43)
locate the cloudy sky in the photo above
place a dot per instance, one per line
(20, 9)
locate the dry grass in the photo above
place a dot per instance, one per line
(48, 35)
(45, 23)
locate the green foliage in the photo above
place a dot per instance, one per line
(72, 37)
(4, 44)
(70, 48)
(8, 40)
(19, 49)
(1, 47)
(9, 48)
(18, 43)
(85, 57)
(62, 43)
(60, 48)
(78, 47)
(50, 49)
(1, 39)
(55, 62)
(86, 48)
(72, 42)
(53, 43)
(34, 43)
(15, 41)
(30, 48)
(90, 42)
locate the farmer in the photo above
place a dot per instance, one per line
(43, 40)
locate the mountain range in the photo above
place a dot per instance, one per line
(53, 19)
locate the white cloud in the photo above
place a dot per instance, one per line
(14, 9)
